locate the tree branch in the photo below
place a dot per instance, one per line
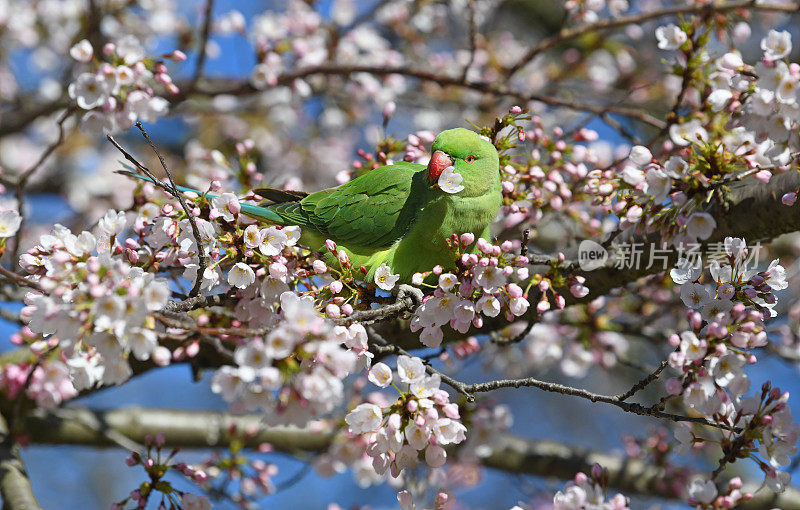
(569, 34)
(201, 50)
(239, 89)
(201, 254)
(23, 181)
(206, 429)
(15, 487)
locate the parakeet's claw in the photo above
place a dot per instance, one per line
(414, 293)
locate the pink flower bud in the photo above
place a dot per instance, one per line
(161, 356)
(177, 56)
(543, 305)
(109, 49)
(514, 290)
(234, 206)
(193, 349)
(789, 198)
(763, 175)
(579, 291)
(336, 286)
(467, 238)
(695, 320)
(330, 245)
(674, 386)
(388, 110)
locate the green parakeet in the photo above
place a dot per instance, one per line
(399, 214)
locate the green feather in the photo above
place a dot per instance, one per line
(392, 215)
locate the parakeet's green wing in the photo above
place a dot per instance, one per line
(373, 210)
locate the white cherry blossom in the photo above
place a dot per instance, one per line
(384, 278)
(670, 37)
(450, 180)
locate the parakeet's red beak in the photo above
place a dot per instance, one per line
(439, 161)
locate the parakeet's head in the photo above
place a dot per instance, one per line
(470, 155)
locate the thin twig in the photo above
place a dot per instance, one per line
(381, 313)
(468, 390)
(201, 51)
(19, 279)
(473, 35)
(157, 182)
(446, 80)
(386, 347)
(294, 479)
(579, 392)
(201, 255)
(195, 302)
(23, 180)
(644, 382)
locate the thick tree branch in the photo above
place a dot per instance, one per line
(204, 429)
(188, 429)
(15, 487)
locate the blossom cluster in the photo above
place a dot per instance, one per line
(758, 106)
(48, 386)
(157, 463)
(486, 423)
(236, 464)
(295, 371)
(93, 304)
(589, 492)
(118, 90)
(703, 493)
(726, 318)
(764, 102)
(245, 257)
(637, 192)
(479, 288)
(422, 419)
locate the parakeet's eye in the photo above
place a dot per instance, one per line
(469, 159)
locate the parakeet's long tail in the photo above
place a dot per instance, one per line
(255, 211)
